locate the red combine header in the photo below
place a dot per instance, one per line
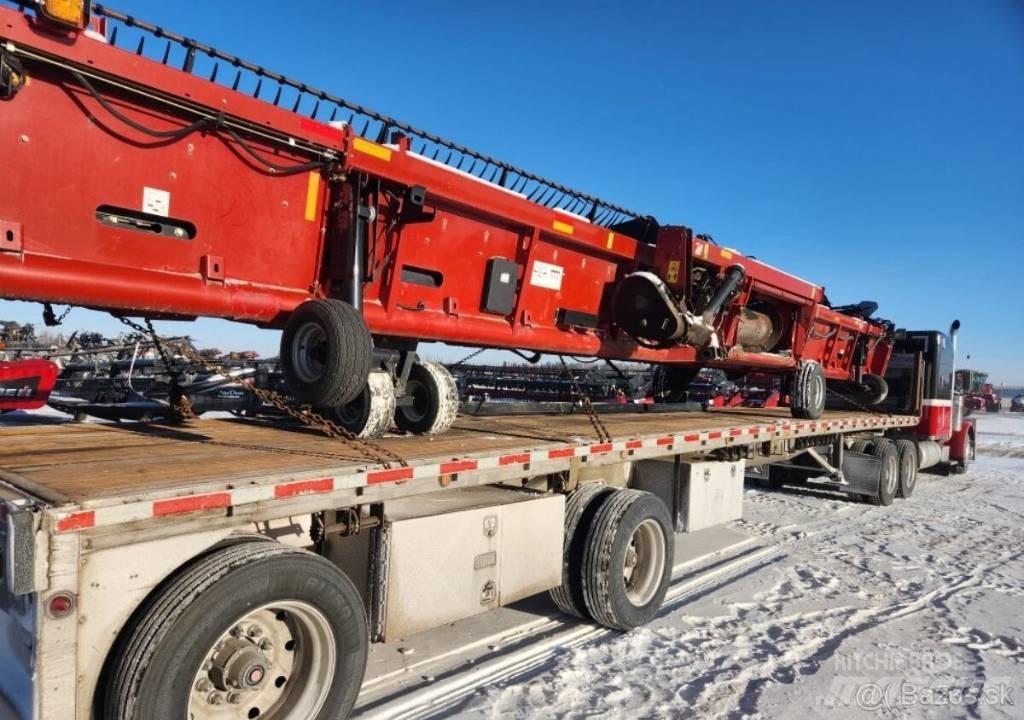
(149, 175)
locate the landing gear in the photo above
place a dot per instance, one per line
(369, 415)
(326, 353)
(431, 400)
(808, 391)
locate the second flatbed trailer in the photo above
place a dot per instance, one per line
(231, 569)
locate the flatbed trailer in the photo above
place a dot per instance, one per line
(125, 546)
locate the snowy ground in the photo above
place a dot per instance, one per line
(912, 611)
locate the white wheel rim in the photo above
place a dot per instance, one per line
(274, 663)
(307, 352)
(643, 565)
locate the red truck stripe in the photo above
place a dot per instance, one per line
(518, 459)
(77, 521)
(458, 466)
(304, 487)
(393, 475)
(193, 503)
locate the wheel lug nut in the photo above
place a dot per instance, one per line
(255, 631)
(237, 631)
(202, 685)
(215, 699)
(266, 645)
(235, 698)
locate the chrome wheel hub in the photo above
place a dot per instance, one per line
(644, 563)
(275, 663)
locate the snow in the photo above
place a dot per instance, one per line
(911, 611)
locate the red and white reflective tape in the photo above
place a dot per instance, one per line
(544, 460)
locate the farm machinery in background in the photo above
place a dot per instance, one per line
(142, 387)
(548, 383)
(26, 379)
(123, 378)
(978, 393)
(195, 183)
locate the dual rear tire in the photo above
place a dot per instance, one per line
(899, 469)
(617, 557)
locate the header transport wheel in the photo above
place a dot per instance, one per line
(876, 389)
(808, 394)
(431, 400)
(370, 414)
(251, 630)
(326, 353)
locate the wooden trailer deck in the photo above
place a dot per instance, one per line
(65, 463)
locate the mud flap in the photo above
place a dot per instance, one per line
(862, 473)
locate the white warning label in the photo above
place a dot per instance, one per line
(156, 202)
(546, 275)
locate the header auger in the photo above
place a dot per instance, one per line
(148, 174)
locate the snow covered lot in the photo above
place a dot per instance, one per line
(912, 611)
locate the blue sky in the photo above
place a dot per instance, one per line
(876, 147)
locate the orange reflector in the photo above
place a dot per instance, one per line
(66, 12)
(372, 149)
(562, 227)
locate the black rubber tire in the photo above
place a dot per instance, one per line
(435, 399)
(370, 415)
(889, 482)
(907, 450)
(808, 391)
(580, 508)
(345, 353)
(604, 588)
(876, 389)
(154, 663)
(860, 446)
(671, 383)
